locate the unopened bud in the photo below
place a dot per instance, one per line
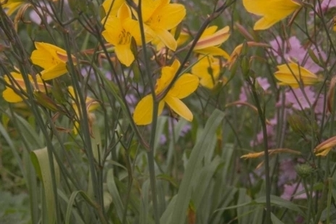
(304, 170)
(45, 100)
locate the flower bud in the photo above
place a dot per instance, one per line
(45, 100)
(298, 123)
(304, 170)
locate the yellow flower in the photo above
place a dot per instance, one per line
(208, 70)
(210, 41)
(51, 58)
(292, 74)
(272, 11)
(119, 31)
(91, 105)
(16, 84)
(11, 5)
(159, 16)
(111, 7)
(183, 87)
(324, 148)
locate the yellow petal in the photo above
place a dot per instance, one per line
(112, 6)
(124, 12)
(184, 86)
(54, 72)
(11, 96)
(291, 73)
(11, 6)
(213, 40)
(113, 30)
(133, 28)
(167, 17)
(18, 80)
(324, 147)
(71, 92)
(46, 55)
(214, 51)
(148, 7)
(167, 75)
(208, 70)
(143, 113)
(272, 11)
(124, 54)
(265, 23)
(179, 107)
(166, 37)
(209, 31)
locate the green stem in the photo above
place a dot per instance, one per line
(261, 114)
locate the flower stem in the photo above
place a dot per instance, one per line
(261, 114)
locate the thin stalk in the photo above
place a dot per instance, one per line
(150, 150)
(261, 115)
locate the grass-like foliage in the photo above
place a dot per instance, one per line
(167, 111)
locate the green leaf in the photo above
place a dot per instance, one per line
(112, 188)
(275, 219)
(29, 133)
(275, 200)
(40, 160)
(71, 205)
(205, 141)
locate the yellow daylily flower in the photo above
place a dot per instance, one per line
(111, 7)
(119, 31)
(91, 105)
(183, 87)
(324, 148)
(292, 74)
(272, 11)
(210, 41)
(16, 84)
(51, 58)
(208, 70)
(160, 16)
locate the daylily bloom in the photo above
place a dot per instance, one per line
(272, 11)
(16, 84)
(119, 31)
(183, 87)
(111, 7)
(51, 58)
(91, 105)
(292, 74)
(159, 16)
(210, 41)
(208, 70)
(324, 148)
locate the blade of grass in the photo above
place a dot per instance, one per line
(205, 141)
(40, 160)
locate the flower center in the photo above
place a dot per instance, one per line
(124, 37)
